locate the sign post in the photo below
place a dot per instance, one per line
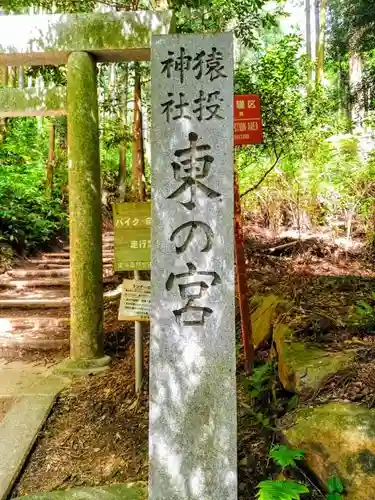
(132, 223)
(247, 130)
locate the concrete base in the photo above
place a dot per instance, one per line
(83, 367)
(130, 491)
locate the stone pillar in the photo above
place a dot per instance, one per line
(193, 434)
(86, 286)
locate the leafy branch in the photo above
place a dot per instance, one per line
(264, 176)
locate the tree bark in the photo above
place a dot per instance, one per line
(308, 40)
(138, 157)
(321, 42)
(123, 146)
(51, 159)
(357, 111)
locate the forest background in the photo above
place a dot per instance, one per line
(311, 61)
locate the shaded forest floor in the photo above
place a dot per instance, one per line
(98, 431)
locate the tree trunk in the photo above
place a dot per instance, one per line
(355, 78)
(308, 40)
(321, 42)
(51, 159)
(138, 157)
(21, 77)
(317, 27)
(123, 147)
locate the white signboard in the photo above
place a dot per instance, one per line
(135, 301)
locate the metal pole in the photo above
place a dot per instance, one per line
(138, 349)
(247, 338)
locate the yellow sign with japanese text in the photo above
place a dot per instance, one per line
(135, 301)
(132, 228)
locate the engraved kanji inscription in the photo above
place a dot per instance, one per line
(194, 164)
(181, 63)
(210, 103)
(180, 107)
(192, 286)
(202, 63)
(194, 226)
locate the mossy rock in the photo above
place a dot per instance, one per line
(339, 439)
(303, 367)
(130, 491)
(265, 312)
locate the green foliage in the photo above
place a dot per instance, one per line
(335, 488)
(260, 379)
(27, 218)
(281, 490)
(285, 456)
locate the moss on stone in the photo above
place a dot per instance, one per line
(27, 102)
(130, 491)
(302, 366)
(86, 288)
(263, 317)
(338, 439)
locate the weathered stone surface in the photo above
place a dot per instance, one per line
(86, 287)
(302, 367)
(192, 367)
(263, 317)
(49, 39)
(32, 102)
(19, 430)
(339, 439)
(130, 491)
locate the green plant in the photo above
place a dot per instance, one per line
(258, 386)
(281, 490)
(285, 456)
(286, 489)
(335, 488)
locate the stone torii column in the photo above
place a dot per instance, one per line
(85, 220)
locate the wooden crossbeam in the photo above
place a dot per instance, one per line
(32, 102)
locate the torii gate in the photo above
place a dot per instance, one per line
(78, 40)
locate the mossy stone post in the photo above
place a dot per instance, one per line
(86, 287)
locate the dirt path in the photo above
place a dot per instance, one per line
(34, 303)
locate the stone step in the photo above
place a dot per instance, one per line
(35, 303)
(66, 255)
(54, 272)
(10, 325)
(49, 303)
(63, 255)
(38, 273)
(63, 262)
(42, 283)
(8, 344)
(56, 282)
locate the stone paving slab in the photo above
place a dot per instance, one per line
(18, 433)
(34, 389)
(131, 491)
